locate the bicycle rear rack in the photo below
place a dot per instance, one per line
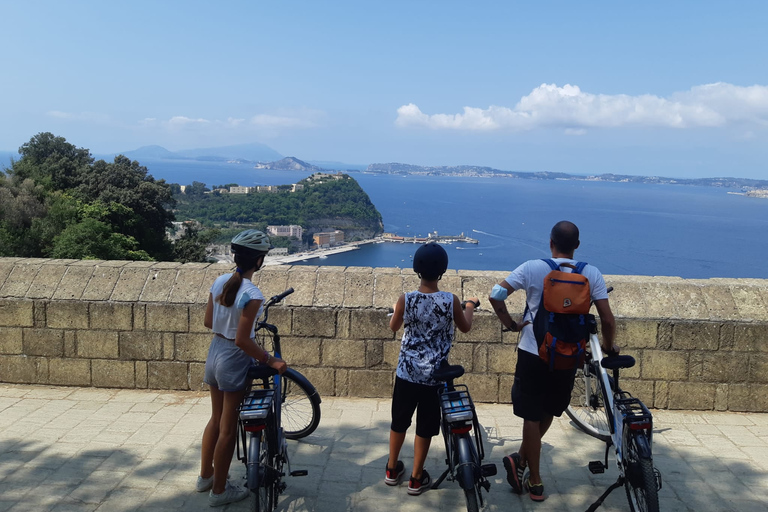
(457, 405)
(256, 405)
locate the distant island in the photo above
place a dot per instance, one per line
(745, 184)
(289, 163)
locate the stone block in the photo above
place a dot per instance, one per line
(665, 365)
(141, 374)
(748, 397)
(343, 321)
(167, 375)
(483, 387)
(387, 289)
(642, 389)
(505, 389)
(690, 302)
(451, 282)
(113, 374)
(696, 336)
(167, 317)
(73, 283)
(358, 288)
(341, 384)
(718, 366)
(751, 337)
(485, 328)
(664, 340)
(502, 358)
(6, 265)
(463, 354)
(19, 279)
(158, 285)
(45, 282)
(719, 301)
(192, 347)
(16, 313)
(169, 345)
(102, 283)
(301, 351)
(116, 316)
(139, 317)
(130, 284)
(43, 342)
(330, 288)
(23, 369)
(282, 317)
(39, 314)
(67, 315)
(692, 396)
(721, 397)
(370, 383)
(97, 344)
(374, 354)
(272, 280)
(70, 344)
(11, 341)
(636, 333)
(196, 318)
(391, 350)
(211, 273)
(69, 372)
(196, 376)
(343, 353)
(660, 394)
(314, 322)
(749, 303)
(758, 369)
(322, 378)
(370, 324)
(480, 358)
(303, 280)
(478, 286)
(727, 337)
(140, 345)
(187, 285)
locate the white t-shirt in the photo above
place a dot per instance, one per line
(530, 277)
(225, 319)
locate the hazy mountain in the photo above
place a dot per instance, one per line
(151, 153)
(249, 152)
(289, 163)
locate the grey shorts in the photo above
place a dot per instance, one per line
(226, 367)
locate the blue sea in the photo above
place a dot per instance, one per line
(626, 228)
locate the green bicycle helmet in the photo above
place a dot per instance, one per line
(250, 241)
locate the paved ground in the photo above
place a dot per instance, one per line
(75, 449)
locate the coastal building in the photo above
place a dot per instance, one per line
(266, 188)
(240, 190)
(329, 238)
(295, 187)
(278, 251)
(291, 231)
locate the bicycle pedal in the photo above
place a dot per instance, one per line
(596, 467)
(300, 472)
(485, 484)
(657, 474)
(488, 469)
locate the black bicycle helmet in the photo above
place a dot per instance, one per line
(430, 261)
(250, 241)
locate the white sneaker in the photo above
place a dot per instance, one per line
(205, 484)
(232, 493)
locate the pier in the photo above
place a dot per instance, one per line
(432, 237)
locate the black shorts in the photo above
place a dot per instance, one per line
(538, 392)
(409, 397)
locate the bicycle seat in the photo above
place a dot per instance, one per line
(261, 371)
(446, 372)
(614, 362)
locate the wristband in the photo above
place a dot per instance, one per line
(475, 304)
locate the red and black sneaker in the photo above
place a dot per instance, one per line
(418, 486)
(394, 476)
(515, 470)
(535, 491)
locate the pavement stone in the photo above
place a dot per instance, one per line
(85, 449)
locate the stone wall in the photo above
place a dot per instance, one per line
(700, 344)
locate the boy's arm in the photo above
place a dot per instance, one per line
(463, 318)
(396, 322)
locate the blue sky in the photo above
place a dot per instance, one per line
(653, 88)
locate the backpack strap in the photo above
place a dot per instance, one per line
(551, 263)
(579, 267)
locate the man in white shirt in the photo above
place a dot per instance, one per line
(539, 394)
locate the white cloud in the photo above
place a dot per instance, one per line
(570, 108)
(273, 121)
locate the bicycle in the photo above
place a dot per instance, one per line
(600, 408)
(274, 409)
(463, 442)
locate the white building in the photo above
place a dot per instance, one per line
(292, 230)
(240, 190)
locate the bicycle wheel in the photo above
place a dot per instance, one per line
(471, 496)
(640, 481)
(262, 498)
(587, 410)
(300, 406)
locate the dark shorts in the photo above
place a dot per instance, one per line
(409, 397)
(538, 392)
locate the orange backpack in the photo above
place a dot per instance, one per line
(562, 322)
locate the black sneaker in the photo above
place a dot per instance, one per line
(515, 471)
(394, 476)
(535, 491)
(416, 487)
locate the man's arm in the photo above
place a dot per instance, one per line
(500, 308)
(607, 326)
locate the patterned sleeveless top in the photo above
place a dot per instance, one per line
(427, 335)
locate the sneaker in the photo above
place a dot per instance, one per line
(232, 493)
(394, 476)
(205, 484)
(535, 491)
(515, 471)
(418, 486)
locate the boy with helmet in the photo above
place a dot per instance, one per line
(428, 317)
(234, 304)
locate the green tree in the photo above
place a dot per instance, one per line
(191, 246)
(93, 239)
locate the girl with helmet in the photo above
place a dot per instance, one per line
(234, 304)
(428, 317)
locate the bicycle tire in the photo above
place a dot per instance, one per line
(588, 412)
(470, 495)
(262, 498)
(640, 481)
(300, 406)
